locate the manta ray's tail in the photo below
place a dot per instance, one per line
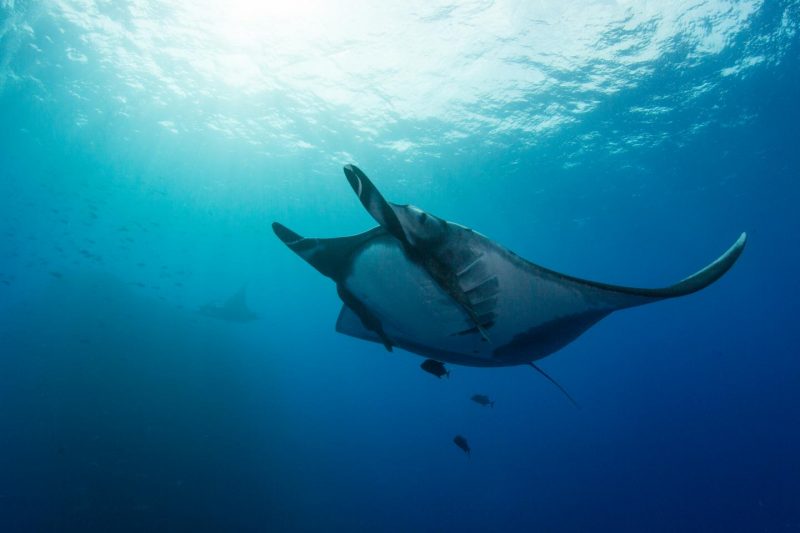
(554, 382)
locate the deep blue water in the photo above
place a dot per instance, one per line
(145, 148)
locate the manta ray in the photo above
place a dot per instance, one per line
(444, 291)
(235, 309)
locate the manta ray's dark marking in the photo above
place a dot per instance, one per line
(446, 292)
(550, 336)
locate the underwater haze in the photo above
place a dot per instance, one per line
(146, 146)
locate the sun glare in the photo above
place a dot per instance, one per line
(248, 40)
(245, 23)
(501, 67)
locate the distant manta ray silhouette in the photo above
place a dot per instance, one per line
(235, 309)
(441, 290)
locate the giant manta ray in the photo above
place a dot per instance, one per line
(442, 290)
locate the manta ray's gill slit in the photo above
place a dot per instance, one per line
(467, 268)
(485, 289)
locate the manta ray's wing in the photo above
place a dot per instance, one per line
(620, 297)
(237, 302)
(350, 324)
(333, 258)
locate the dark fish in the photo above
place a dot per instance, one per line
(483, 400)
(57, 275)
(462, 443)
(434, 367)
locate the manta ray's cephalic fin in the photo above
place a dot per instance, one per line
(556, 383)
(374, 202)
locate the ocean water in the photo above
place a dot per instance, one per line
(147, 146)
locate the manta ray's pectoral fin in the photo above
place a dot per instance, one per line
(709, 274)
(619, 297)
(238, 302)
(348, 323)
(331, 257)
(367, 318)
(556, 383)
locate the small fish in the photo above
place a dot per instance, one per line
(482, 399)
(434, 367)
(462, 443)
(57, 275)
